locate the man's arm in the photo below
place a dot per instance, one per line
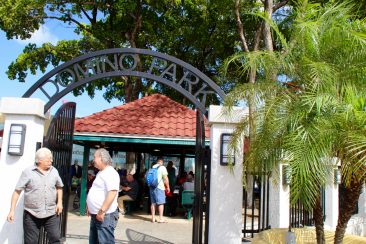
(166, 183)
(14, 200)
(59, 201)
(106, 204)
(126, 188)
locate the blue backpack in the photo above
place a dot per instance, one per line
(152, 177)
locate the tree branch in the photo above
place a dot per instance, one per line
(279, 5)
(240, 26)
(95, 12)
(86, 14)
(68, 18)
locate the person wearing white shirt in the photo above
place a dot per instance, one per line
(102, 200)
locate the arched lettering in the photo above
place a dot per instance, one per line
(117, 62)
(124, 60)
(45, 92)
(77, 69)
(62, 78)
(170, 73)
(105, 60)
(158, 65)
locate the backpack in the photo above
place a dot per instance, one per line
(152, 177)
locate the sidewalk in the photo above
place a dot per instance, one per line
(135, 228)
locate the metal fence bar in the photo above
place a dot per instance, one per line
(259, 221)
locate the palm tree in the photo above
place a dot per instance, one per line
(314, 114)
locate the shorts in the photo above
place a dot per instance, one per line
(157, 196)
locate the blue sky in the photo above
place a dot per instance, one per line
(52, 32)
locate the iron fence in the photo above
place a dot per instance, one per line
(256, 204)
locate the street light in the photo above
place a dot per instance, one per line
(337, 176)
(16, 139)
(227, 155)
(286, 174)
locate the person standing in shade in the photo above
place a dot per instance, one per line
(102, 200)
(157, 194)
(42, 187)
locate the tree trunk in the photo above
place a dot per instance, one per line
(267, 36)
(134, 85)
(319, 223)
(349, 200)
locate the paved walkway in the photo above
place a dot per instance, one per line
(135, 228)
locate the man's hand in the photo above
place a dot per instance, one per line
(100, 216)
(14, 200)
(59, 208)
(10, 217)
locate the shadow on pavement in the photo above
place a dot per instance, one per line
(138, 237)
(84, 237)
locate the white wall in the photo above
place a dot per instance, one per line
(226, 188)
(26, 111)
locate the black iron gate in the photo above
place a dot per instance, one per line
(255, 204)
(300, 217)
(200, 184)
(59, 140)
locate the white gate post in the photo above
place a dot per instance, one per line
(279, 194)
(27, 111)
(331, 203)
(226, 187)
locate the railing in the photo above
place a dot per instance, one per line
(255, 204)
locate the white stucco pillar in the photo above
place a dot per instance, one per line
(357, 224)
(331, 203)
(27, 111)
(226, 188)
(279, 194)
(362, 209)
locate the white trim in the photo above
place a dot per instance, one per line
(133, 136)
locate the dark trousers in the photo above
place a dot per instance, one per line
(32, 225)
(171, 205)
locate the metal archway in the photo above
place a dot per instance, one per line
(117, 62)
(162, 68)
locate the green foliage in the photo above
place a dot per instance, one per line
(315, 113)
(202, 33)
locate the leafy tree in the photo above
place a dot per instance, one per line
(189, 30)
(313, 115)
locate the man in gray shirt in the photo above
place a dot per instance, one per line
(42, 187)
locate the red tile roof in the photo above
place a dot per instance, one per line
(151, 116)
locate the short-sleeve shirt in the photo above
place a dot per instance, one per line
(134, 185)
(161, 173)
(40, 191)
(105, 181)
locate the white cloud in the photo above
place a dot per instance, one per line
(42, 35)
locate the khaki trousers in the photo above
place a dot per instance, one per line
(120, 200)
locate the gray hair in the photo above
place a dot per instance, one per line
(104, 155)
(43, 153)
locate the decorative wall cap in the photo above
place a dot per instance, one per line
(22, 106)
(218, 115)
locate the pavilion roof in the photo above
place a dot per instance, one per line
(151, 116)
